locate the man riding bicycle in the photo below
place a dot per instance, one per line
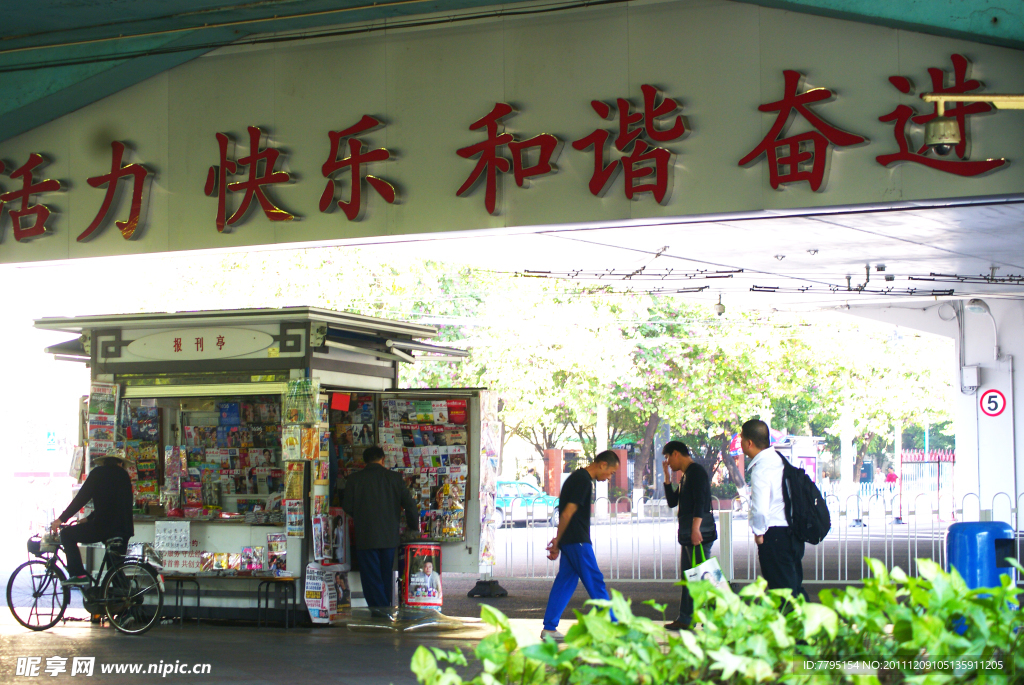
(110, 488)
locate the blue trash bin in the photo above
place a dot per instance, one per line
(978, 551)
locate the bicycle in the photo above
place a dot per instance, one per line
(126, 588)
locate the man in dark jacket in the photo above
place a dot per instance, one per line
(110, 488)
(696, 522)
(373, 498)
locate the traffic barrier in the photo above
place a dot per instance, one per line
(639, 539)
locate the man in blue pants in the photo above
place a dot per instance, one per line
(573, 541)
(374, 496)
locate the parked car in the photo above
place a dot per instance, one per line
(520, 500)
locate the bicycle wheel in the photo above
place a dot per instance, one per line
(133, 594)
(35, 595)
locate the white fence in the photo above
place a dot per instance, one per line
(638, 540)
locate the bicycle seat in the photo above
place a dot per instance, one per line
(115, 545)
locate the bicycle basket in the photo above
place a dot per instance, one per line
(40, 545)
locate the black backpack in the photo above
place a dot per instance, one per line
(806, 511)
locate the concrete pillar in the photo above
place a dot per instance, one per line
(602, 506)
(725, 551)
(897, 509)
(847, 458)
(553, 464)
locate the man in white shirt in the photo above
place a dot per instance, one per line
(778, 549)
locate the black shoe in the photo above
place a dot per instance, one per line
(677, 625)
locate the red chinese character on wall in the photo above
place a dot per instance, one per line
(802, 157)
(354, 162)
(199, 344)
(491, 163)
(904, 114)
(220, 342)
(40, 212)
(647, 168)
(261, 173)
(177, 344)
(136, 173)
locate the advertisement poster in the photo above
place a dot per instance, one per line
(294, 518)
(423, 576)
(322, 591)
(490, 444)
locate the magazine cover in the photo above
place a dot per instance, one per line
(318, 538)
(277, 552)
(310, 444)
(256, 560)
(294, 518)
(321, 472)
(422, 571)
(293, 483)
(103, 400)
(248, 559)
(457, 412)
(340, 524)
(291, 443)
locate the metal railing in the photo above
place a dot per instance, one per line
(638, 539)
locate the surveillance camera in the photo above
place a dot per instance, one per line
(942, 134)
(719, 308)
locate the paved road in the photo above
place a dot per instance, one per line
(242, 653)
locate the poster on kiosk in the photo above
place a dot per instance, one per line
(422, 571)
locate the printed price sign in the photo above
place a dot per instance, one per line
(992, 403)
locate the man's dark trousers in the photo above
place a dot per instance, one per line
(84, 533)
(376, 572)
(781, 556)
(686, 563)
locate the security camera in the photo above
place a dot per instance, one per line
(719, 308)
(942, 134)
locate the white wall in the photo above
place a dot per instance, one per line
(989, 453)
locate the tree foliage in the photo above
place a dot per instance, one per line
(556, 351)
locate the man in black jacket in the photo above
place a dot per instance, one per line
(110, 488)
(696, 522)
(373, 498)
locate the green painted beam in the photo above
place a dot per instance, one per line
(33, 97)
(73, 79)
(996, 22)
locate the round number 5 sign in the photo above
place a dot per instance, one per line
(993, 403)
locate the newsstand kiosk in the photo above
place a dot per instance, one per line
(241, 426)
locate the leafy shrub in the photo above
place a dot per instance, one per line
(726, 490)
(760, 635)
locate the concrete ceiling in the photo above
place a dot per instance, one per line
(805, 260)
(59, 55)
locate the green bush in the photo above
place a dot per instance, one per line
(758, 635)
(726, 490)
